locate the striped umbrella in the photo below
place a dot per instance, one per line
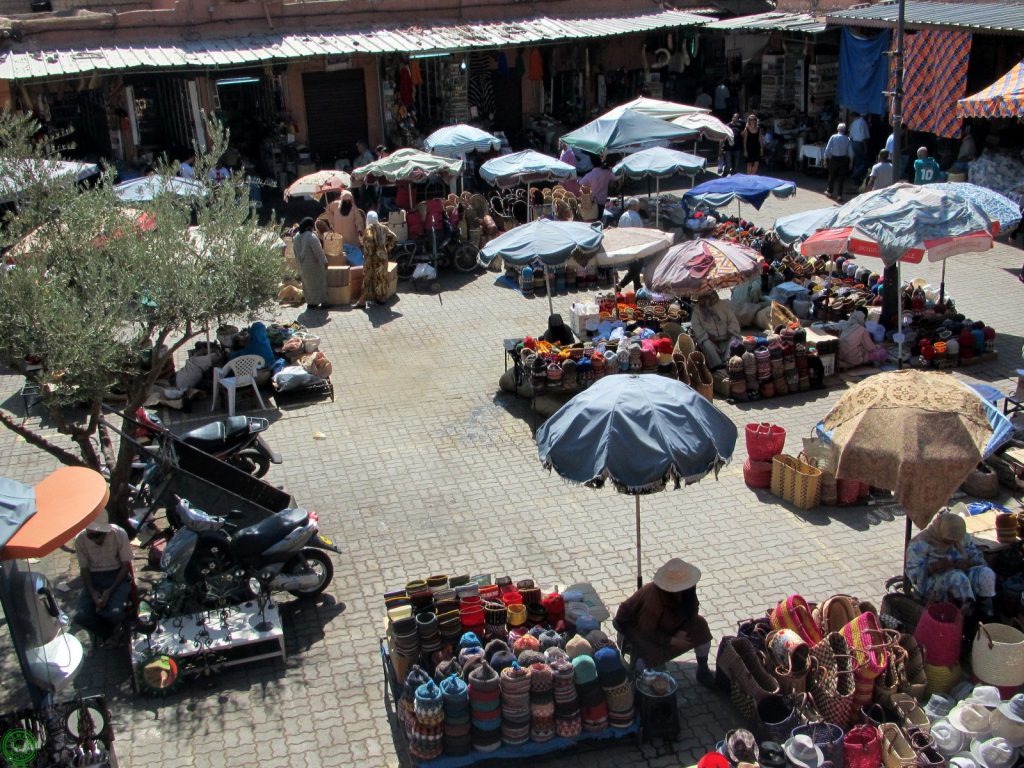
(458, 140)
(698, 266)
(1004, 98)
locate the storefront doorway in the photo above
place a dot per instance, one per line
(335, 113)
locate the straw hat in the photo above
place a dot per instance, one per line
(994, 753)
(971, 718)
(676, 575)
(948, 740)
(100, 525)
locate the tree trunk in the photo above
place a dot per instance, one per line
(33, 438)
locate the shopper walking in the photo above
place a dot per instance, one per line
(752, 139)
(860, 135)
(312, 264)
(839, 159)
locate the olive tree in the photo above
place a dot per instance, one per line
(97, 295)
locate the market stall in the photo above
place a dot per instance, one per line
(491, 668)
(738, 188)
(659, 163)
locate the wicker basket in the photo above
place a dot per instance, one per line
(333, 244)
(997, 657)
(796, 481)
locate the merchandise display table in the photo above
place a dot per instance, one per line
(234, 636)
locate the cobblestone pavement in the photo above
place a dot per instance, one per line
(427, 468)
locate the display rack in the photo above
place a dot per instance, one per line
(237, 635)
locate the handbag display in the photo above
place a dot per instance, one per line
(862, 747)
(794, 613)
(749, 679)
(939, 631)
(836, 612)
(792, 657)
(777, 717)
(896, 752)
(828, 737)
(756, 631)
(915, 680)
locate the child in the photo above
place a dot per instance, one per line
(926, 170)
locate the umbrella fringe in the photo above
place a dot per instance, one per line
(654, 486)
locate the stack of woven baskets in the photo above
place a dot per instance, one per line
(764, 442)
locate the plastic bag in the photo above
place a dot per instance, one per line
(424, 271)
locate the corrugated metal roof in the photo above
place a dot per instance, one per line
(226, 52)
(1001, 18)
(772, 20)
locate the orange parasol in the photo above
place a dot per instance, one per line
(66, 501)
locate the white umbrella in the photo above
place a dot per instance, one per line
(147, 188)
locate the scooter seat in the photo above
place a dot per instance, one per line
(256, 538)
(213, 437)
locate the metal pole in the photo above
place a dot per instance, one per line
(906, 543)
(657, 202)
(547, 286)
(639, 562)
(892, 289)
(942, 284)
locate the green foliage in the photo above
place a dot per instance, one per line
(94, 285)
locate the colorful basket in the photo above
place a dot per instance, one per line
(757, 474)
(764, 440)
(940, 632)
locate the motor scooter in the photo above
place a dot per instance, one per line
(284, 552)
(236, 440)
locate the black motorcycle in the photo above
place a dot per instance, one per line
(236, 440)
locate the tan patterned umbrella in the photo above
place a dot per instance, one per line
(918, 434)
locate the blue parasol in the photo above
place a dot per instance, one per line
(527, 167)
(753, 190)
(998, 207)
(640, 433)
(459, 140)
(799, 226)
(659, 162)
(626, 132)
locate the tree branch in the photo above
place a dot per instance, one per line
(33, 438)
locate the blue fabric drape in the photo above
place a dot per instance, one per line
(863, 72)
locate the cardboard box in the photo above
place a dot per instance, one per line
(392, 279)
(337, 277)
(355, 281)
(337, 296)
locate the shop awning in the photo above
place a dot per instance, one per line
(1006, 18)
(282, 46)
(771, 22)
(1004, 98)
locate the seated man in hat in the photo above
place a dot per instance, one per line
(661, 620)
(105, 556)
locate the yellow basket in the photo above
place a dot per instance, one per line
(796, 481)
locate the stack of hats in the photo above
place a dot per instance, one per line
(556, 653)
(471, 608)
(407, 702)
(554, 605)
(496, 616)
(574, 611)
(449, 623)
(750, 367)
(593, 705)
(429, 632)
(1006, 528)
(737, 379)
(802, 368)
(542, 703)
(427, 739)
(550, 639)
(515, 704)
(455, 694)
(618, 691)
(470, 656)
(525, 643)
(536, 616)
(498, 655)
(485, 708)
(598, 639)
(407, 639)
(437, 583)
(516, 614)
(586, 624)
(420, 596)
(578, 646)
(567, 703)
(447, 668)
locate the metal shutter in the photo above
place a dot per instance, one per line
(335, 113)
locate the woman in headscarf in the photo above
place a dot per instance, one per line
(856, 347)
(348, 221)
(944, 564)
(558, 332)
(312, 264)
(714, 327)
(378, 241)
(259, 344)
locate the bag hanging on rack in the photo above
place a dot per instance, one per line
(862, 747)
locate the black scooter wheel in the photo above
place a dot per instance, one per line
(315, 560)
(251, 461)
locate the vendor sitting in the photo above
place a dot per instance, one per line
(558, 332)
(714, 326)
(945, 565)
(856, 347)
(661, 620)
(104, 556)
(752, 310)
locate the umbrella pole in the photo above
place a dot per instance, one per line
(657, 202)
(899, 318)
(547, 285)
(639, 561)
(529, 205)
(906, 543)
(942, 284)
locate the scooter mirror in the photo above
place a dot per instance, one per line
(254, 586)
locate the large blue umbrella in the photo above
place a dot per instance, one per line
(659, 162)
(459, 140)
(998, 207)
(640, 432)
(626, 132)
(527, 167)
(753, 190)
(550, 242)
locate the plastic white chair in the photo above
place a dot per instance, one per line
(240, 372)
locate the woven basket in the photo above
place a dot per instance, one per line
(796, 481)
(997, 657)
(333, 244)
(942, 679)
(939, 631)
(764, 440)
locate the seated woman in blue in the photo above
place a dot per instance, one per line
(945, 565)
(259, 344)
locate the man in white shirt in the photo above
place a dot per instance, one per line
(104, 557)
(881, 173)
(722, 98)
(860, 135)
(839, 158)
(631, 215)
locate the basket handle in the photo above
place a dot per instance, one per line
(981, 628)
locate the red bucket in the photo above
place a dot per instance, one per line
(765, 441)
(757, 474)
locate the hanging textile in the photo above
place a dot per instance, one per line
(935, 78)
(414, 71)
(536, 70)
(520, 70)
(502, 65)
(863, 72)
(1004, 98)
(405, 85)
(481, 89)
